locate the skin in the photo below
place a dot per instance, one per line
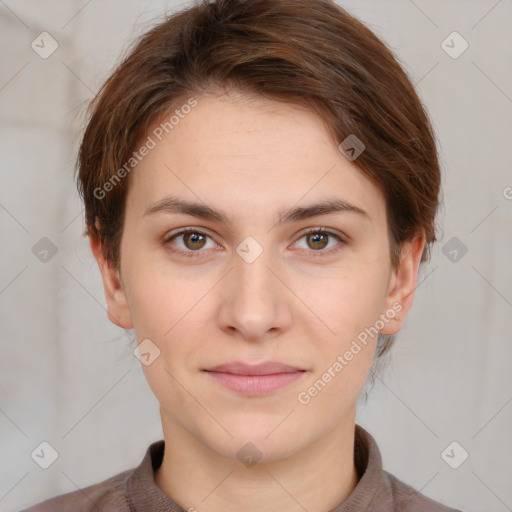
(252, 158)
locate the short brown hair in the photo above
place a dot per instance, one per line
(306, 51)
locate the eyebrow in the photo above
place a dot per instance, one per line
(203, 211)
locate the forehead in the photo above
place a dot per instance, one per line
(247, 151)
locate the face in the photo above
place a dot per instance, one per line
(249, 285)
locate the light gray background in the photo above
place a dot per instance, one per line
(67, 374)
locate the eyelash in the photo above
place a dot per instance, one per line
(192, 254)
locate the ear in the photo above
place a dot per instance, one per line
(117, 305)
(402, 284)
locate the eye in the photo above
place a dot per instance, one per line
(317, 240)
(193, 240)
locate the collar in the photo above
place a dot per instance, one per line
(144, 494)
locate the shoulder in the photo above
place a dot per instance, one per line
(408, 499)
(107, 496)
(378, 490)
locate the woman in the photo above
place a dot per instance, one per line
(260, 184)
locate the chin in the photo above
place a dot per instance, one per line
(256, 450)
(260, 443)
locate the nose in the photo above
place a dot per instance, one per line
(254, 302)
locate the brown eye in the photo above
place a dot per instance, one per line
(317, 240)
(188, 242)
(194, 240)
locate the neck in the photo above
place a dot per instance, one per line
(316, 479)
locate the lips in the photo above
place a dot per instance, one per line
(255, 379)
(269, 368)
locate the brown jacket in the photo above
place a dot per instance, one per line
(135, 490)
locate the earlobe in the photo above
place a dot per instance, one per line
(403, 284)
(117, 306)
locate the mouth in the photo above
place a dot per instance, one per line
(254, 380)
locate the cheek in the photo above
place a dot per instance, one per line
(349, 306)
(345, 302)
(159, 298)
(172, 312)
